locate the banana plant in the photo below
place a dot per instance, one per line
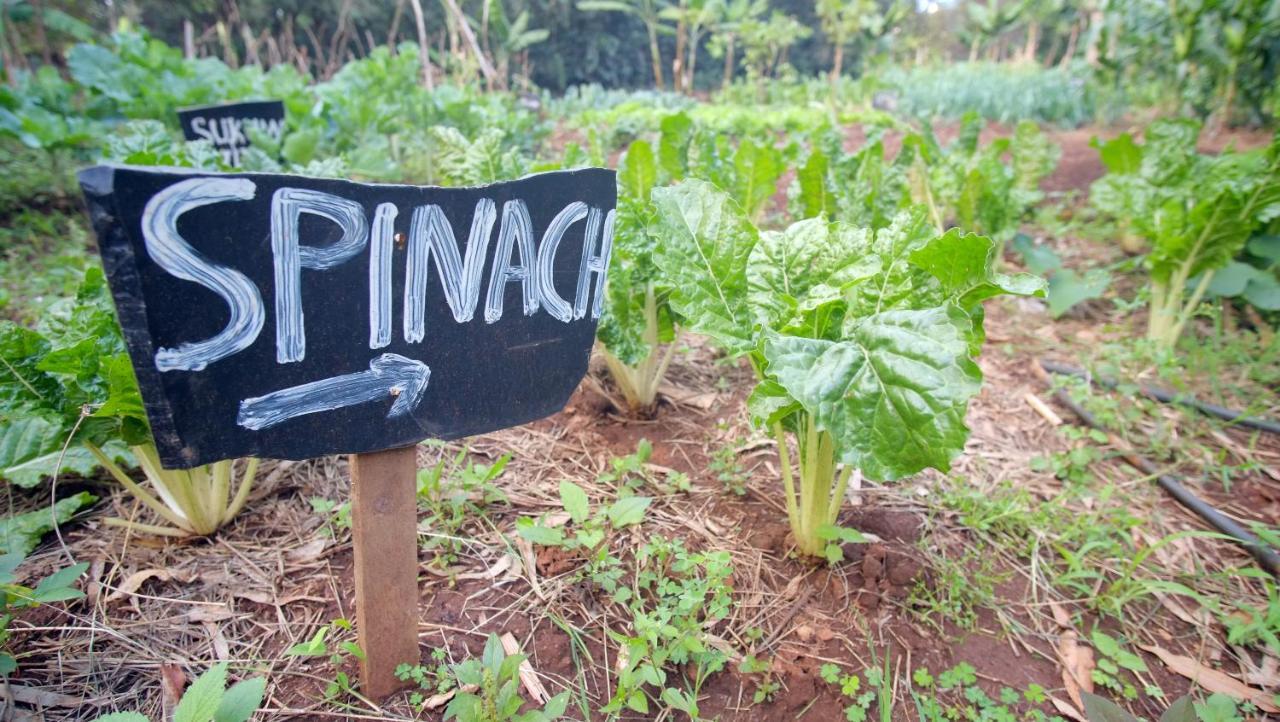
(862, 341)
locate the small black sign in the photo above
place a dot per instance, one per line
(224, 125)
(289, 317)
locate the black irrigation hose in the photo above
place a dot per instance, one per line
(1166, 396)
(1265, 555)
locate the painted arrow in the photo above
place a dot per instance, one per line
(388, 375)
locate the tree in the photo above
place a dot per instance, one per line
(765, 44)
(990, 21)
(727, 28)
(650, 13)
(693, 19)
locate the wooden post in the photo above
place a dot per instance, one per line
(384, 521)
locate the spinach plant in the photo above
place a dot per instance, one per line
(67, 388)
(1196, 212)
(862, 341)
(639, 332)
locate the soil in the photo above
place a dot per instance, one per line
(277, 574)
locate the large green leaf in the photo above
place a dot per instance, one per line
(806, 264)
(893, 394)
(1119, 155)
(707, 240)
(22, 532)
(756, 172)
(964, 264)
(637, 173)
(673, 146)
(816, 200)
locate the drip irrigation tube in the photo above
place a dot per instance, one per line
(1260, 551)
(1166, 396)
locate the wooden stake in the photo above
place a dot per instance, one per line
(384, 521)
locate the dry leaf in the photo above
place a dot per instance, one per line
(134, 582)
(220, 647)
(1077, 666)
(437, 700)
(43, 698)
(702, 400)
(307, 552)
(172, 682)
(493, 572)
(1065, 708)
(1060, 615)
(1213, 680)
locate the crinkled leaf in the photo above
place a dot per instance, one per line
(707, 242)
(808, 263)
(964, 264)
(893, 394)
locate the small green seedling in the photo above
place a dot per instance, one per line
(489, 690)
(318, 646)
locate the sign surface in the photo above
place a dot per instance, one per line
(289, 317)
(224, 125)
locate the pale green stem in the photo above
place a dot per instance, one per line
(837, 499)
(147, 528)
(1189, 309)
(788, 480)
(242, 493)
(141, 494)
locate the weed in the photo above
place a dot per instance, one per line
(728, 470)
(319, 646)
(489, 690)
(589, 535)
(1112, 658)
(431, 680)
(452, 492)
(676, 595)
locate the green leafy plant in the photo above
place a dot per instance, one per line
(589, 534)
(1196, 212)
(862, 341)
(452, 492)
(57, 587)
(67, 387)
(319, 646)
(434, 679)
(1112, 658)
(489, 690)
(726, 468)
(208, 699)
(675, 597)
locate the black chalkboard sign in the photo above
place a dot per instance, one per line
(283, 316)
(224, 125)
